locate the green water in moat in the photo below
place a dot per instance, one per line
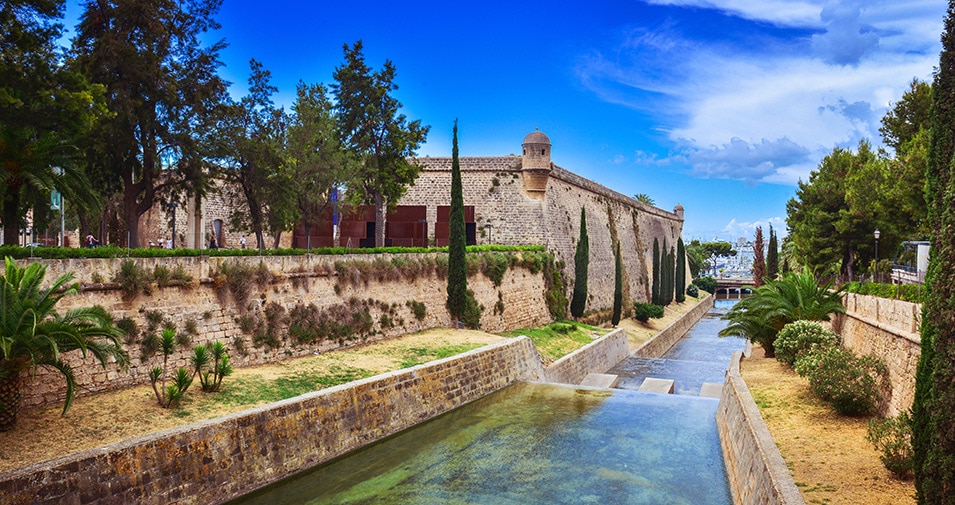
(533, 444)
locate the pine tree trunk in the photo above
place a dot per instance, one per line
(9, 400)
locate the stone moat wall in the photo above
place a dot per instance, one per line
(889, 329)
(218, 460)
(296, 281)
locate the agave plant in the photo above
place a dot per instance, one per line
(793, 297)
(33, 334)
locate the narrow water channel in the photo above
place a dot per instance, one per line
(536, 443)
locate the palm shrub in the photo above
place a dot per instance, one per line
(170, 395)
(772, 306)
(798, 337)
(34, 334)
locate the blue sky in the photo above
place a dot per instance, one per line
(718, 105)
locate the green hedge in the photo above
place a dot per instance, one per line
(908, 292)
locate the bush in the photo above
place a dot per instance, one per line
(132, 279)
(646, 311)
(707, 284)
(892, 437)
(849, 382)
(797, 337)
(692, 290)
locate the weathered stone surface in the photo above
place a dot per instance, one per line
(653, 385)
(600, 380)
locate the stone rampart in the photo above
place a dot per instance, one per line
(218, 460)
(889, 329)
(663, 341)
(598, 356)
(296, 281)
(757, 472)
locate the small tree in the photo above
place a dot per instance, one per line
(655, 283)
(772, 256)
(171, 395)
(680, 271)
(759, 260)
(581, 262)
(617, 286)
(211, 365)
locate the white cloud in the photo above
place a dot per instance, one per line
(747, 229)
(769, 112)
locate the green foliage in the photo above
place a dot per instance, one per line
(798, 337)
(759, 260)
(133, 279)
(772, 255)
(915, 293)
(472, 312)
(617, 286)
(849, 382)
(692, 290)
(892, 438)
(495, 266)
(418, 308)
(35, 335)
(578, 301)
(759, 317)
(707, 284)
(129, 328)
(169, 396)
(381, 138)
(657, 268)
(238, 277)
(459, 301)
(554, 287)
(211, 365)
(558, 339)
(680, 281)
(646, 311)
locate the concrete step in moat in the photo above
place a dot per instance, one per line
(600, 380)
(711, 390)
(652, 385)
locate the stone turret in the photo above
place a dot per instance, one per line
(535, 164)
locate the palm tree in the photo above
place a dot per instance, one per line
(33, 334)
(793, 297)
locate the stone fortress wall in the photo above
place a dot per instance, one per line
(528, 200)
(297, 280)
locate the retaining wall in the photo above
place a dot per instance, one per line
(663, 341)
(296, 281)
(757, 472)
(598, 356)
(218, 460)
(889, 329)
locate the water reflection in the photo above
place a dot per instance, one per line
(533, 443)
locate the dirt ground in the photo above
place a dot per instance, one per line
(827, 454)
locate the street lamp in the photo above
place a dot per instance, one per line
(877, 233)
(488, 228)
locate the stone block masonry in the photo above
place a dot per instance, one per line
(598, 356)
(218, 460)
(663, 341)
(297, 280)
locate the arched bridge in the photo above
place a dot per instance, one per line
(736, 285)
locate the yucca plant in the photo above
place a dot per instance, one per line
(216, 359)
(169, 396)
(34, 334)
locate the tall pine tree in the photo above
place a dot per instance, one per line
(772, 256)
(680, 271)
(933, 419)
(581, 264)
(457, 241)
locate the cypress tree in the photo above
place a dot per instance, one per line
(680, 271)
(457, 241)
(581, 263)
(617, 286)
(772, 256)
(669, 276)
(933, 419)
(759, 260)
(655, 284)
